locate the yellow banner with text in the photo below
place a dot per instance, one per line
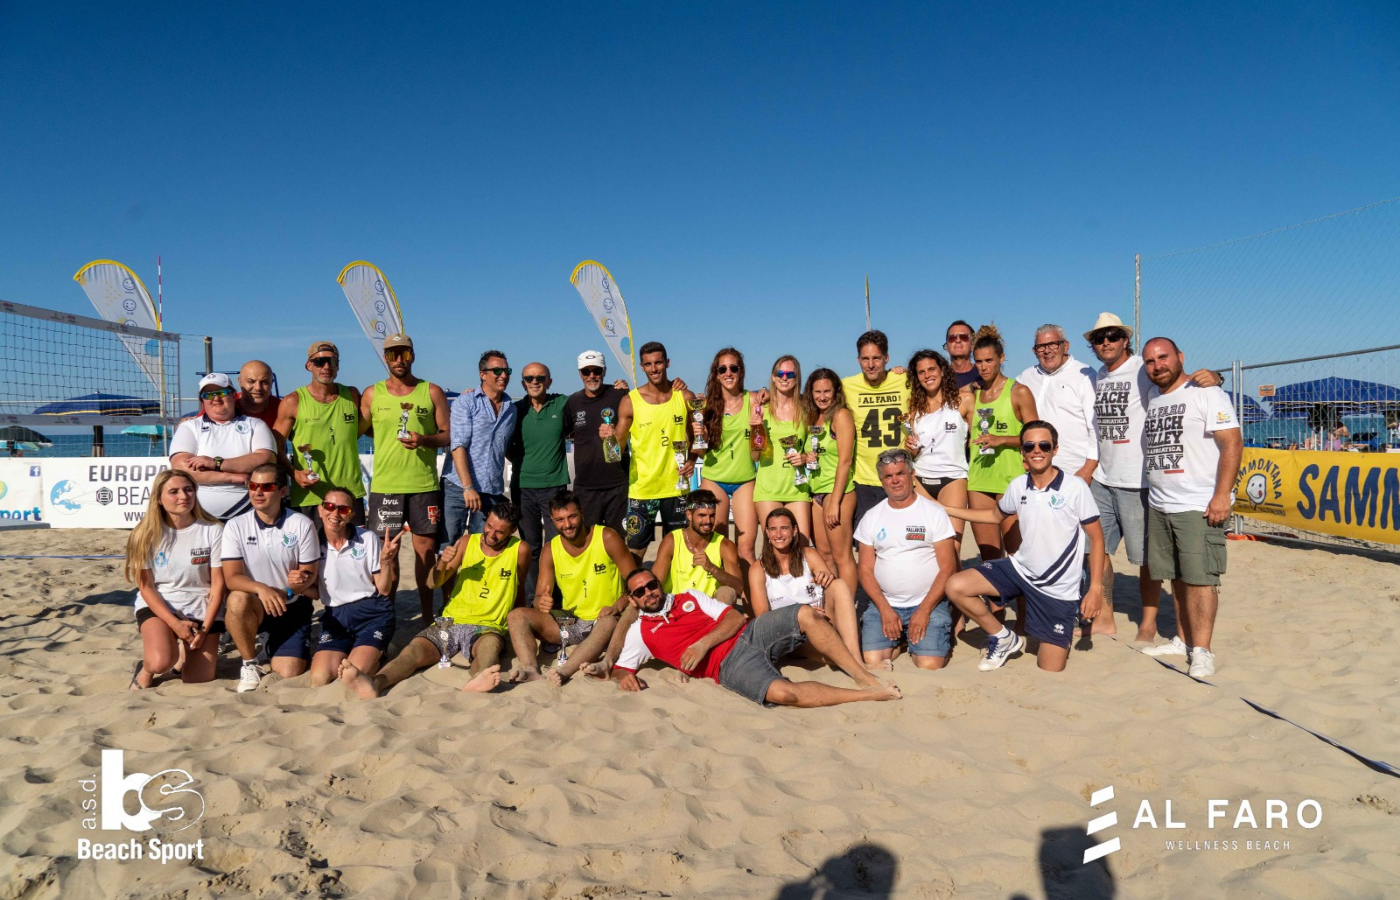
(1354, 495)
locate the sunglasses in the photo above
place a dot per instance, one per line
(642, 591)
(263, 487)
(533, 379)
(321, 362)
(728, 370)
(341, 508)
(591, 372)
(1043, 446)
(1047, 346)
(1107, 337)
(392, 355)
(498, 371)
(959, 338)
(785, 374)
(217, 394)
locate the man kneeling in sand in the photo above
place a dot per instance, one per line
(704, 638)
(490, 569)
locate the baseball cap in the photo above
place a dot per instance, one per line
(592, 358)
(322, 346)
(215, 379)
(1107, 320)
(396, 341)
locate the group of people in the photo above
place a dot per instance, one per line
(861, 486)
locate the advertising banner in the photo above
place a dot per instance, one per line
(21, 490)
(1353, 495)
(97, 492)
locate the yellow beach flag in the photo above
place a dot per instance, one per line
(121, 298)
(603, 299)
(373, 301)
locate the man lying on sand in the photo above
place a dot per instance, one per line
(706, 639)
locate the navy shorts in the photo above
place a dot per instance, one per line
(749, 668)
(1048, 618)
(640, 524)
(363, 623)
(290, 633)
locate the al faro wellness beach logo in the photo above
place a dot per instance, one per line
(154, 806)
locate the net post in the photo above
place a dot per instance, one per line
(208, 354)
(1237, 377)
(1137, 299)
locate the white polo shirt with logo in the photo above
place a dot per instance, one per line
(1053, 542)
(347, 574)
(239, 436)
(906, 563)
(269, 552)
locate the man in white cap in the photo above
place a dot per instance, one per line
(601, 485)
(219, 447)
(1123, 393)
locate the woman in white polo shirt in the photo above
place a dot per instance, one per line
(174, 558)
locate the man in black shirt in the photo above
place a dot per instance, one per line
(601, 485)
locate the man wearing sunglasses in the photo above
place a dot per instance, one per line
(404, 486)
(704, 638)
(539, 466)
(601, 486)
(324, 416)
(219, 447)
(482, 424)
(957, 340)
(1063, 388)
(697, 557)
(270, 557)
(1123, 391)
(1059, 520)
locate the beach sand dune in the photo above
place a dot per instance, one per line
(976, 785)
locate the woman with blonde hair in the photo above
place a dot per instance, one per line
(729, 468)
(174, 558)
(830, 423)
(782, 465)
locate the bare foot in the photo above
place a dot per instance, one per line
(600, 669)
(557, 677)
(484, 681)
(357, 681)
(1147, 637)
(682, 678)
(885, 690)
(520, 676)
(884, 665)
(1104, 625)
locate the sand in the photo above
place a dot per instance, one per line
(976, 785)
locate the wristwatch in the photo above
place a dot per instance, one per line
(218, 464)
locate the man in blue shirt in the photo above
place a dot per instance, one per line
(482, 424)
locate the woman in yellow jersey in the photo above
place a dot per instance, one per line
(999, 407)
(938, 414)
(833, 426)
(729, 468)
(782, 470)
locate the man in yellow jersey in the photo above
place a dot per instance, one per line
(411, 421)
(652, 420)
(489, 569)
(696, 557)
(587, 564)
(322, 420)
(876, 398)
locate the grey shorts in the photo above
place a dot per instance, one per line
(749, 668)
(573, 631)
(460, 638)
(1182, 546)
(1123, 516)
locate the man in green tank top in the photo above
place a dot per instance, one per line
(410, 419)
(321, 421)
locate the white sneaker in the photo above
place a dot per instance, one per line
(1202, 663)
(1175, 647)
(999, 650)
(248, 676)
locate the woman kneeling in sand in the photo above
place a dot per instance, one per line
(173, 558)
(791, 571)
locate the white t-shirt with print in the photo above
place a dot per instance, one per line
(180, 566)
(239, 436)
(1121, 410)
(906, 563)
(1179, 446)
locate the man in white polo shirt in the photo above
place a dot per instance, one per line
(1192, 449)
(1058, 517)
(356, 577)
(219, 447)
(1064, 396)
(270, 555)
(906, 557)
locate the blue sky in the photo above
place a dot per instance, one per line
(740, 168)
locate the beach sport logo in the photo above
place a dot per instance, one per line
(165, 803)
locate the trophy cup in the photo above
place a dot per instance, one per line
(697, 415)
(563, 656)
(682, 483)
(799, 473)
(403, 418)
(985, 417)
(305, 450)
(611, 451)
(443, 624)
(814, 441)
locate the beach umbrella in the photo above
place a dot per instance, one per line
(13, 433)
(154, 432)
(1252, 411)
(100, 404)
(1346, 395)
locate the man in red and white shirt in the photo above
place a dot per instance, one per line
(705, 638)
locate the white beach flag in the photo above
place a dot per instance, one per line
(373, 301)
(603, 299)
(121, 298)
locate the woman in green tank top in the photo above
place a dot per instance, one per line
(833, 511)
(729, 467)
(778, 468)
(1000, 406)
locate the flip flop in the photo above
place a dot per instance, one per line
(135, 675)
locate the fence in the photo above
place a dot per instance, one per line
(1301, 322)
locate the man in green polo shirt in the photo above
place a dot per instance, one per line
(321, 421)
(539, 467)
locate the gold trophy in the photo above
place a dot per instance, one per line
(305, 451)
(697, 415)
(814, 441)
(403, 418)
(682, 483)
(799, 473)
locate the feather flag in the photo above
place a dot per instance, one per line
(121, 298)
(374, 303)
(603, 299)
